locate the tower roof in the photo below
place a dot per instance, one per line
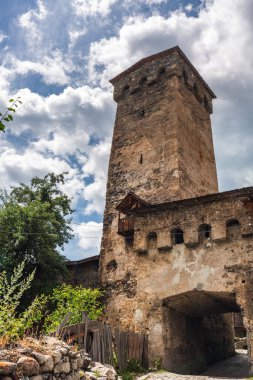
(162, 54)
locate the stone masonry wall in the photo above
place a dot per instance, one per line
(84, 272)
(167, 269)
(50, 359)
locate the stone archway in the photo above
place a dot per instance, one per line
(198, 330)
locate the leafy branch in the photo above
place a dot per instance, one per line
(8, 115)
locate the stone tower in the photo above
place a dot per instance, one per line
(176, 255)
(162, 149)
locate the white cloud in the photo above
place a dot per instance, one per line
(21, 167)
(2, 37)
(63, 126)
(96, 165)
(30, 21)
(74, 115)
(87, 8)
(53, 69)
(89, 235)
(75, 34)
(189, 7)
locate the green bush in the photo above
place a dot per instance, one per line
(74, 299)
(13, 325)
(133, 368)
(46, 311)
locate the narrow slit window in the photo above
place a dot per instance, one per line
(152, 240)
(204, 232)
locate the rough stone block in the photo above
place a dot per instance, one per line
(28, 366)
(7, 368)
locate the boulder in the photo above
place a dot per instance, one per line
(37, 377)
(48, 365)
(57, 356)
(24, 351)
(73, 364)
(63, 351)
(53, 342)
(76, 376)
(113, 373)
(28, 366)
(79, 361)
(7, 368)
(47, 376)
(62, 367)
(39, 357)
(72, 354)
(106, 371)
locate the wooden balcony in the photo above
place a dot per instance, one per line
(126, 226)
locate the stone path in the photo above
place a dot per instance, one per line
(233, 368)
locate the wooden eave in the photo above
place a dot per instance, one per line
(130, 202)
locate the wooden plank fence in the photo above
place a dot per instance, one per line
(130, 345)
(100, 341)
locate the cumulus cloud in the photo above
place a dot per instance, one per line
(53, 69)
(75, 34)
(21, 167)
(96, 166)
(75, 114)
(87, 8)
(2, 37)
(30, 21)
(89, 236)
(61, 131)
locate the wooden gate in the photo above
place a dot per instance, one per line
(101, 343)
(130, 345)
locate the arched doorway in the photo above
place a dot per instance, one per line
(199, 330)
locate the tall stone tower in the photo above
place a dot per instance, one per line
(162, 150)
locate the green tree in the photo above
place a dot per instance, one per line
(74, 299)
(34, 226)
(8, 115)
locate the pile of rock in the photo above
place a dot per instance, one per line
(241, 343)
(50, 359)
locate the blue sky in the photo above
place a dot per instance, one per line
(59, 56)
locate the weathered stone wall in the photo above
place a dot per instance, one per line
(164, 269)
(84, 272)
(50, 359)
